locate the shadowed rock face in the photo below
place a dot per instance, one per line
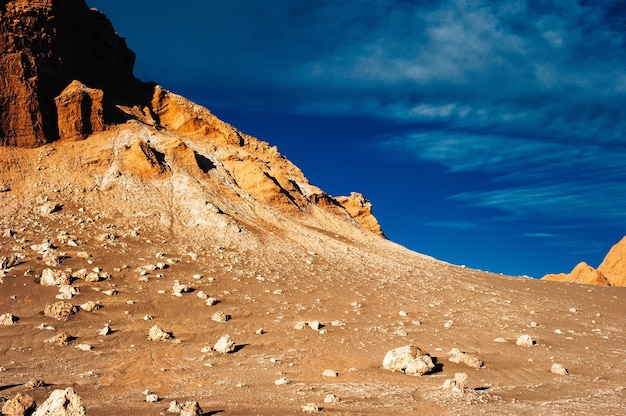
(44, 46)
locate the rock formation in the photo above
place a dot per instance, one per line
(613, 267)
(45, 46)
(68, 75)
(361, 210)
(79, 111)
(611, 272)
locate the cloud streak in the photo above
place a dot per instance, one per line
(529, 177)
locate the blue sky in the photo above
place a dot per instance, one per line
(490, 134)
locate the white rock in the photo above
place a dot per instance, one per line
(67, 292)
(220, 316)
(7, 319)
(314, 325)
(559, 369)
(211, 301)
(329, 373)
(260, 331)
(89, 306)
(403, 313)
(282, 381)
(84, 347)
(152, 398)
(524, 341)
(106, 330)
(500, 339)
(409, 359)
(459, 357)
(157, 334)
(50, 277)
(310, 408)
(300, 325)
(224, 345)
(62, 403)
(197, 276)
(202, 295)
(458, 384)
(178, 289)
(331, 399)
(174, 407)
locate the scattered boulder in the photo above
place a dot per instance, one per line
(185, 409)
(20, 405)
(62, 403)
(314, 325)
(60, 310)
(152, 398)
(67, 292)
(7, 319)
(51, 277)
(225, 345)
(49, 208)
(525, 341)
(191, 409)
(310, 408)
(52, 258)
(459, 357)
(7, 262)
(559, 369)
(331, 399)
(62, 338)
(106, 330)
(90, 306)
(178, 289)
(330, 373)
(409, 359)
(282, 381)
(84, 347)
(220, 316)
(157, 334)
(458, 383)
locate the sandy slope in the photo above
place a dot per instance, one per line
(271, 268)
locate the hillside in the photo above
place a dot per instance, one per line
(145, 210)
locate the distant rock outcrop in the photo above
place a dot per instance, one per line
(361, 210)
(611, 272)
(613, 267)
(47, 44)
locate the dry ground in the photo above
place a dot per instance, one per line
(270, 270)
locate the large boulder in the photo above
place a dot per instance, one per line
(409, 359)
(20, 405)
(62, 403)
(79, 111)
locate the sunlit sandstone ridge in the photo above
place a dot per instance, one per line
(611, 272)
(67, 75)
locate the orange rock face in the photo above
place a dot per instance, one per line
(44, 46)
(79, 111)
(614, 264)
(361, 210)
(611, 272)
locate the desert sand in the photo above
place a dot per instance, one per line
(152, 253)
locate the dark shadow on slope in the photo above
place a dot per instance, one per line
(204, 163)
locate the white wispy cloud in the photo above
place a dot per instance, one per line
(528, 177)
